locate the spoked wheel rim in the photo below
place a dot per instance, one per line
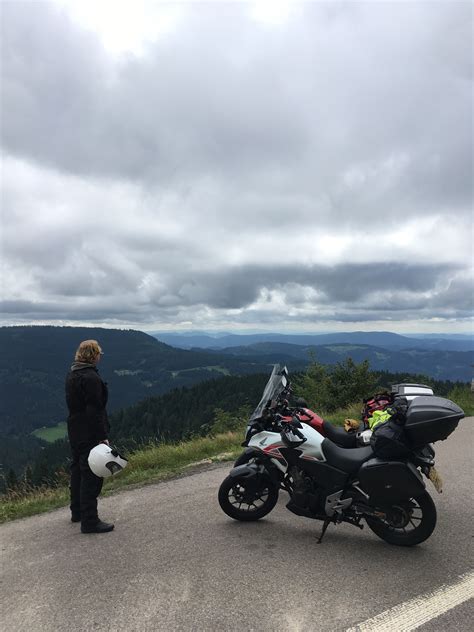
(244, 499)
(405, 523)
(404, 518)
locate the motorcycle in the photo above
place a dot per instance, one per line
(332, 484)
(278, 387)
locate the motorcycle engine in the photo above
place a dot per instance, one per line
(305, 495)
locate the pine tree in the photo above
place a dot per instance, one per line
(11, 480)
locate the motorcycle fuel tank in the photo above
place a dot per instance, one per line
(312, 446)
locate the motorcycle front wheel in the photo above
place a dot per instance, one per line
(247, 500)
(407, 522)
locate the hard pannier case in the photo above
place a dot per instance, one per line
(431, 419)
(389, 481)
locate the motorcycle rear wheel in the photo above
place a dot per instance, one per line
(406, 523)
(242, 500)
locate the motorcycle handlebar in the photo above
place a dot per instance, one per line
(295, 425)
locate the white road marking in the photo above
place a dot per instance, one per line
(415, 612)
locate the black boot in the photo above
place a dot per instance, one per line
(99, 527)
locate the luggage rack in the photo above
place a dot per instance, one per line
(410, 391)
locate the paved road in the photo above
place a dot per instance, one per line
(176, 562)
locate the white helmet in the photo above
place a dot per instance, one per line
(105, 461)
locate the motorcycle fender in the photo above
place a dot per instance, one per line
(254, 471)
(247, 470)
(252, 451)
(390, 481)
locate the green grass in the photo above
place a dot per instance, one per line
(216, 367)
(53, 433)
(150, 464)
(337, 418)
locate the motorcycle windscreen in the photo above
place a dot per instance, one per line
(276, 384)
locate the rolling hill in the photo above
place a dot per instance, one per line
(438, 364)
(34, 361)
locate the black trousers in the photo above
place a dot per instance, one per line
(85, 488)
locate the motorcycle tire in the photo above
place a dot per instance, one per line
(240, 503)
(408, 522)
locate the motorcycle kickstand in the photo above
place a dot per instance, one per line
(323, 531)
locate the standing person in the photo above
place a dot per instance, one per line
(88, 425)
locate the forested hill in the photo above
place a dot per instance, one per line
(185, 411)
(34, 361)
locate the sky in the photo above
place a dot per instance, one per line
(274, 166)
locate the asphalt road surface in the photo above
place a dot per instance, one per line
(176, 562)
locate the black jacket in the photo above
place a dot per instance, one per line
(86, 397)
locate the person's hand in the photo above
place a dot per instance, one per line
(106, 441)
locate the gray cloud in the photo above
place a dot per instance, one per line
(319, 170)
(342, 292)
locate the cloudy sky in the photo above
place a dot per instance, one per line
(274, 166)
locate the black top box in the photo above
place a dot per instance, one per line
(431, 419)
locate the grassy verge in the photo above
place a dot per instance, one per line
(151, 464)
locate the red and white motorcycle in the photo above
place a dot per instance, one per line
(333, 484)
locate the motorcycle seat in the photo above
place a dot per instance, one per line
(343, 459)
(339, 435)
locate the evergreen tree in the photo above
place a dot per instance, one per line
(313, 385)
(350, 382)
(11, 481)
(329, 388)
(225, 421)
(41, 474)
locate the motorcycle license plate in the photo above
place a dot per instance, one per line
(436, 479)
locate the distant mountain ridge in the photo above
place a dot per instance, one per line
(384, 339)
(438, 364)
(35, 359)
